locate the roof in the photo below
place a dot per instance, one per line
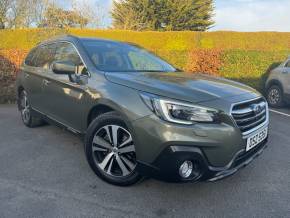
(75, 38)
(58, 38)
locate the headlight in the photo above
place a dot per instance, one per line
(179, 112)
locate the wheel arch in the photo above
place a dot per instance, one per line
(18, 91)
(105, 106)
(98, 110)
(274, 82)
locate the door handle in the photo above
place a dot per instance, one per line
(46, 82)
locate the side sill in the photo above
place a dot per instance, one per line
(57, 123)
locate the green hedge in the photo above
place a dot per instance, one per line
(244, 57)
(251, 67)
(169, 41)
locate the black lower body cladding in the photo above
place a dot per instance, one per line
(166, 166)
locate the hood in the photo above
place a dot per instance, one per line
(182, 86)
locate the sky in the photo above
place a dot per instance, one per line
(252, 15)
(239, 15)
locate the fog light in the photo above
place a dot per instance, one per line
(185, 169)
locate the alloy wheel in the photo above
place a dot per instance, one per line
(114, 151)
(25, 107)
(274, 96)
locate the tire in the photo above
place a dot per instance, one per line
(110, 150)
(29, 118)
(275, 96)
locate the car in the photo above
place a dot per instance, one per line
(278, 85)
(140, 116)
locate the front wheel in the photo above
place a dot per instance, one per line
(110, 150)
(275, 96)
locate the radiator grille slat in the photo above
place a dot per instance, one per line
(250, 114)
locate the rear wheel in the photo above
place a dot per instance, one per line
(29, 119)
(275, 96)
(110, 150)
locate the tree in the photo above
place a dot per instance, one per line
(39, 11)
(4, 8)
(89, 10)
(172, 15)
(24, 13)
(20, 14)
(56, 17)
(136, 14)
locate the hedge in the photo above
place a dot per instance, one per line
(251, 67)
(245, 57)
(10, 61)
(168, 41)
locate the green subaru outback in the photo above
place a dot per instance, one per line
(138, 114)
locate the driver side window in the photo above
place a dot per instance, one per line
(67, 52)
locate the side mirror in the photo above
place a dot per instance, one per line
(63, 67)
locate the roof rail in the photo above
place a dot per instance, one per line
(63, 35)
(58, 37)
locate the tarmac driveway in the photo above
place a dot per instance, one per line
(44, 173)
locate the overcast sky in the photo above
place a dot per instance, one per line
(253, 15)
(242, 15)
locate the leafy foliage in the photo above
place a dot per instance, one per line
(251, 67)
(167, 41)
(4, 7)
(244, 57)
(55, 17)
(204, 60)
(10, 61)
(188, 15)
(173, 15)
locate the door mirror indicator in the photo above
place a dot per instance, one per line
(64, 67)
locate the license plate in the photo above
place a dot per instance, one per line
(255, 139)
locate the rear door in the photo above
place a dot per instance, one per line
(64, 96)
(34, 73)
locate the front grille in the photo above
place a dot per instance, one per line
(249, 115)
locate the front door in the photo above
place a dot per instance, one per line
(64, 95)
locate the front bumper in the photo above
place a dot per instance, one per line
(166, 166)
(219, 149)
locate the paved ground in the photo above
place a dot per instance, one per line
(43, 173)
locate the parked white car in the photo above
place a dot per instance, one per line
(278, 85)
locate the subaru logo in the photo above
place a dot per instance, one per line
(256, 108)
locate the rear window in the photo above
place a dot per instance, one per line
(30, 56)
(44, 56)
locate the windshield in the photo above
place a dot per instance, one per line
(115, 57)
